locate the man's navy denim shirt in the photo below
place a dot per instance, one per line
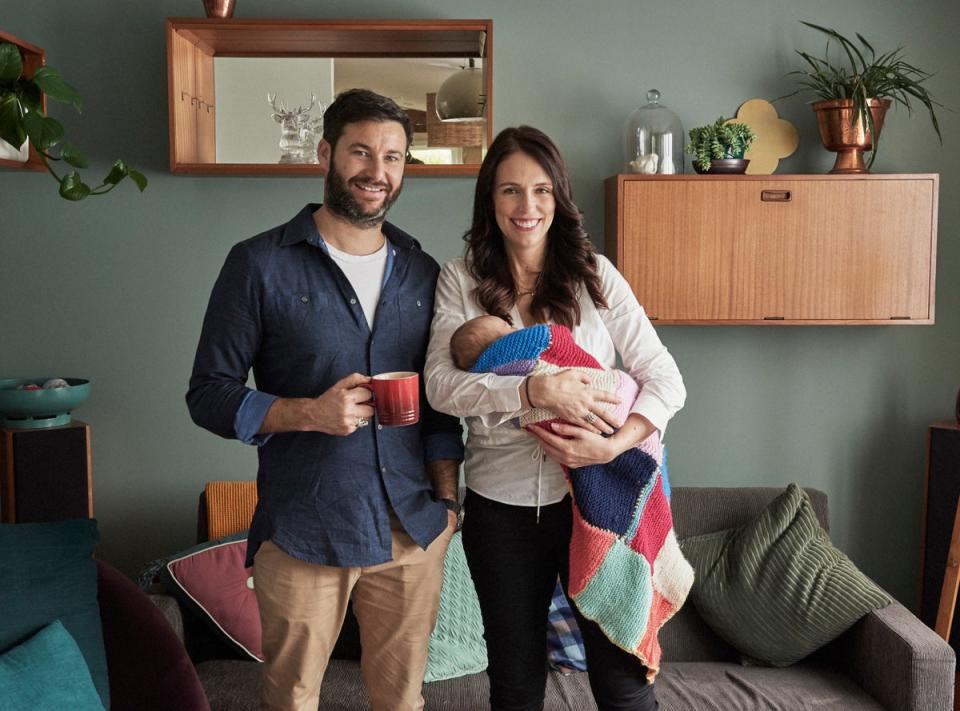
(282, 307)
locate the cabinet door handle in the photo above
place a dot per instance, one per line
(775, 196)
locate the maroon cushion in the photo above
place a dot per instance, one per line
(212, 580)
(148, 666)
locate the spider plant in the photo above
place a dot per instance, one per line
(868, 76)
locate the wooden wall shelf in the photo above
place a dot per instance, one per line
(192, 44)
(33, 58)
(777, 250)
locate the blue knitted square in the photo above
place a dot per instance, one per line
(607, 493)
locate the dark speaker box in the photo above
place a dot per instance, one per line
(940, 508)
(45, 474)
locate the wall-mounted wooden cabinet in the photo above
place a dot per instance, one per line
(777, 250)
(196, 45)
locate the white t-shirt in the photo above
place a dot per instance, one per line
(365, 274)
(502, 462)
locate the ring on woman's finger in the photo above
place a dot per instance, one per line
(590, 417)
(362, 422)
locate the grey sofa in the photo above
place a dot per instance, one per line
(888, 660)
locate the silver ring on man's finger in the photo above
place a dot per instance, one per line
(362, 422)
(590, 417)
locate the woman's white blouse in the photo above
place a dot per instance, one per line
(502, 462)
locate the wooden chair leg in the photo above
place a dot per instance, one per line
(951, 581)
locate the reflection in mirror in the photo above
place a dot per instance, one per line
(221, 72)
(252, 129)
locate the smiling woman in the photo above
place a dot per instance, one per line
(529, 261)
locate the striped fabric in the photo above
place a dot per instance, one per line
(776, 588)
(627, 573)
(230, 506)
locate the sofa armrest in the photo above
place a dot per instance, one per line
(898, 660)
(171, 611)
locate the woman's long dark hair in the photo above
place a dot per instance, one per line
(570, 258)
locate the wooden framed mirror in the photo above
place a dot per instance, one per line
(221, 71)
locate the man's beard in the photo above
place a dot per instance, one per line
(340, 201)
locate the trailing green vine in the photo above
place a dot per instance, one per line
(22, 117)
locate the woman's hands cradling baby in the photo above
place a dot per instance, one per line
(571, 396)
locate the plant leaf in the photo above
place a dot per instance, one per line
(50, 83)
(137, 177)
(11, 66)
(73, 188)
(11, 125)
(72, 155)
(44, 131)
(117, 173)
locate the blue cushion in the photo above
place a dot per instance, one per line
(47, 672)
(48, 574)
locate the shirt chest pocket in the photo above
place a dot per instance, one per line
(302, 320)
(413, 322)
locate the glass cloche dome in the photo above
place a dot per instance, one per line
(653, 139)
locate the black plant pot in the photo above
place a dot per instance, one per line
(735, 166)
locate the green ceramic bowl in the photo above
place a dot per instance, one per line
(33, 409)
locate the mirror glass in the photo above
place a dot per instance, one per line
(268, 109)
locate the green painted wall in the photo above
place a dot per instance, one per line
(114, 289)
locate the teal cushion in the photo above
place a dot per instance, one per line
(47, 672)
(776, 588)
(48, 574)
(456, 645)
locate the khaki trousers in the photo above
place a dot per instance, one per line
(302, 608)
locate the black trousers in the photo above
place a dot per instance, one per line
(514, 562)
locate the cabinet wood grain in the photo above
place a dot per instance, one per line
(777, 250)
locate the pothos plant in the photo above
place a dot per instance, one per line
(22, 117)
(719, 140)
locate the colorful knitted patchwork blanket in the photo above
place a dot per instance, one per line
(627, 573)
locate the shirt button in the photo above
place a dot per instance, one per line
(379, 427)
(305, 299)
(353, 301)
(383, 470)
(418, 304)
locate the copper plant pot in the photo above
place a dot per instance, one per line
(219, 8)
(848, 140)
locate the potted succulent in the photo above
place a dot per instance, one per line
(854, 96)
(719, 147)
(22, 117)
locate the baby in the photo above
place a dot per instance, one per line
(627, 572)
(488, 344)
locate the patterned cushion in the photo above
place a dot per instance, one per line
(776, 588)
(456, 645)
(565, 651)
(47, 671)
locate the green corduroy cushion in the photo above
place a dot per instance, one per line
(47, 672)
(776, 588)
(456, 645)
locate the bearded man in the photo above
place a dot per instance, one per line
(345, 510)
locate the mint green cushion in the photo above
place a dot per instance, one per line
(776, 588)
(47, 672)
(456, 645)
(46, 574)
